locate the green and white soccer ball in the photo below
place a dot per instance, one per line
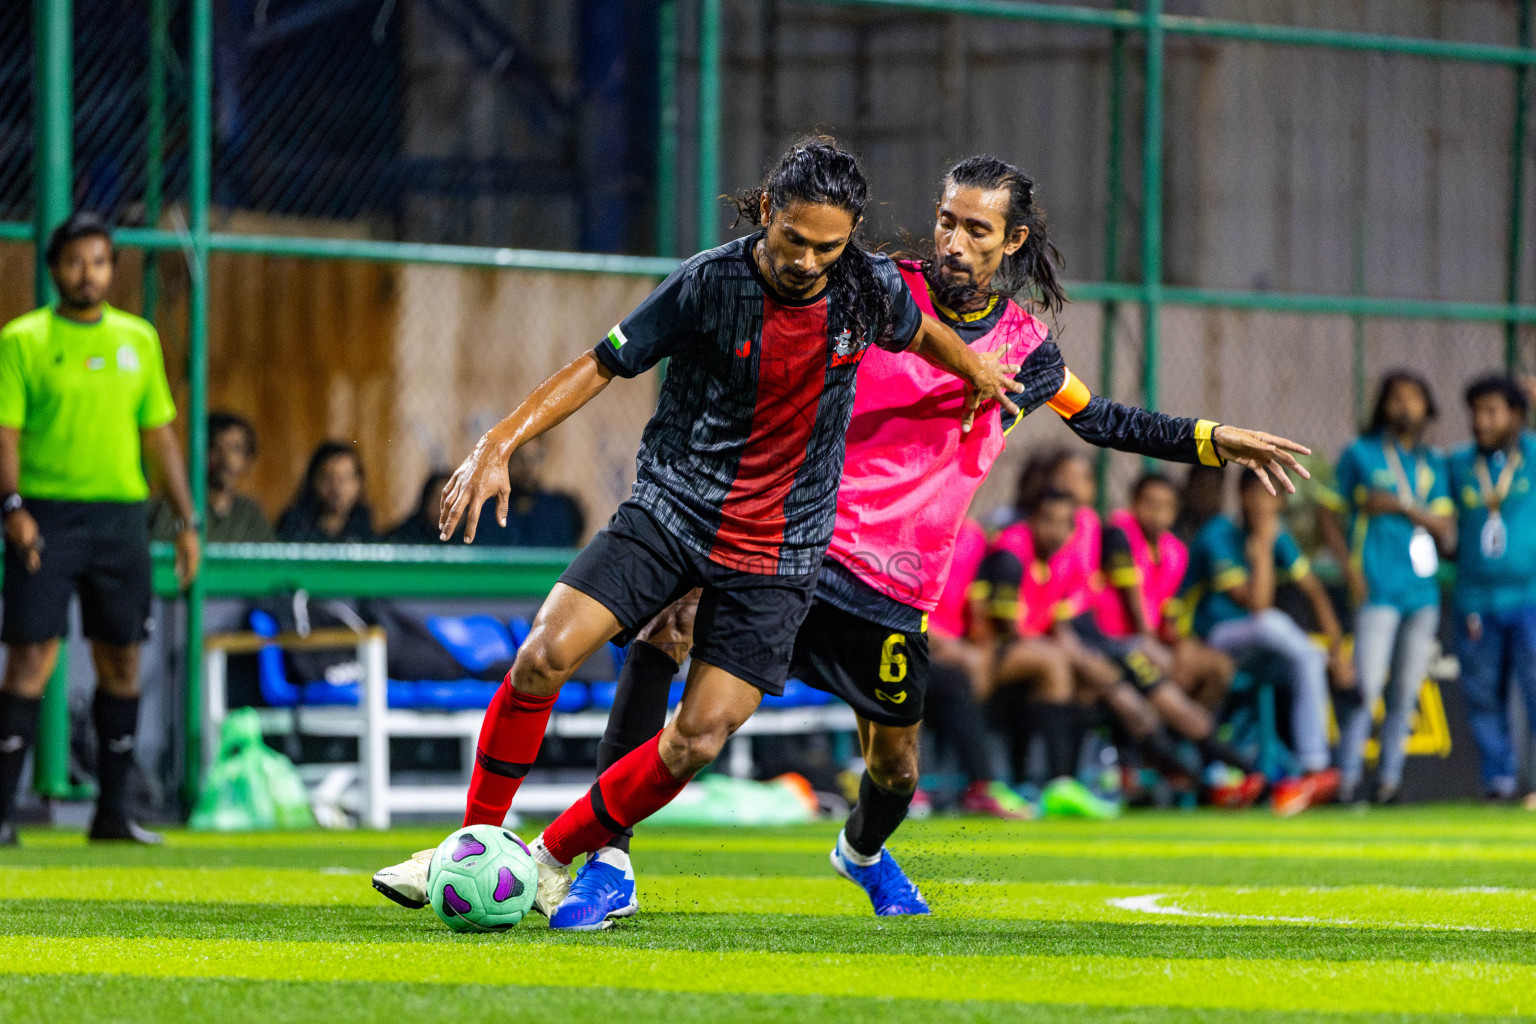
(482, 879)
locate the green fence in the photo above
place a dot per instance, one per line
(170, 139)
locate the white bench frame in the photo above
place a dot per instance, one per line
(372, 722)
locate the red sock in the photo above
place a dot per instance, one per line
(509, 742)
(636, 786)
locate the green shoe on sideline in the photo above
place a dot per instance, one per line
(1068, 798)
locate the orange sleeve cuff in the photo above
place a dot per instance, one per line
(1072, 398)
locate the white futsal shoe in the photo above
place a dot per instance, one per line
(406, 882)
(554, 880)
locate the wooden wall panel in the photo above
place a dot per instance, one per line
(408, 363)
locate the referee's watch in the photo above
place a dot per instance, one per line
(12, 503)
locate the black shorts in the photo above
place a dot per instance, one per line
(1127, 654)
(97, 549)
(881, 673)
(746, 623)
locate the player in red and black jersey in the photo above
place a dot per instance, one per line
(736, 490)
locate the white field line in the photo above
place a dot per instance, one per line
(1152, 903)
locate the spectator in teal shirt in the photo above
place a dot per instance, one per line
(1229, 594)
(1392, 491)
(1495, 596)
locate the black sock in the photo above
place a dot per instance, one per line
(1213, 749)
(1160, 753)
(1060, 727)
(117, 719)
(639, 710)
(18, 731)
(878, 813)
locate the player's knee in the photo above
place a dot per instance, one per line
(695, 747)
(895, 770)
(28, 667)
(541, 667)
(124, 687)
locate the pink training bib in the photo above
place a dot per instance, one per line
(1159, 570)
(910, 474)
(950, 618)
(1052, 590)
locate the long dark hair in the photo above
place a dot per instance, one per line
(1028, 275)
(1378, 421)
(817, 170)
(307, 497)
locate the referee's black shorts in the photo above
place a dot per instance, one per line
(97, 549)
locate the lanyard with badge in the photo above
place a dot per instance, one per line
(1421, 546)
(1495, 537)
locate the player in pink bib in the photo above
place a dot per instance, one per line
(910, 472)
(1143, 567)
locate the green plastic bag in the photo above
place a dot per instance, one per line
(723, 800)
(250, 787)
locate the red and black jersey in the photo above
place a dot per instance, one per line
(744, 453)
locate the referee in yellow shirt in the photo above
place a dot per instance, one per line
(83, 395)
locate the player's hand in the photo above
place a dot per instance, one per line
(479, 477)
(189, 557)
(991, 380)
(21, 533)
(1265, 454)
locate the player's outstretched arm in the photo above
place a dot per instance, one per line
(987, 378)
(484, 473)
(1108, 424)
(1126, 428)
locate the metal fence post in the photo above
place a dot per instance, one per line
(200, 129)
(53, 93)
(53, 112)
(154, 144)
(666, 128)
(1111, 238)
(707, 228)
(1516, 191)
(1152, 202)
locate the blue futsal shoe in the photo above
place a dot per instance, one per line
(601, 894)
(889, 888)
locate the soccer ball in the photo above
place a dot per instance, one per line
(482, 879)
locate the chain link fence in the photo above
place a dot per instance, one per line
(15, 112)
(508, 122)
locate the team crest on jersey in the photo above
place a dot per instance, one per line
(845, 349)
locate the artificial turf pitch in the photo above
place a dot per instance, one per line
(1397, 914)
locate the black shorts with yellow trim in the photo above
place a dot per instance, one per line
(879, 672)
(1127, 654)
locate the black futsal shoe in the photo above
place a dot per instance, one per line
(115, 828)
